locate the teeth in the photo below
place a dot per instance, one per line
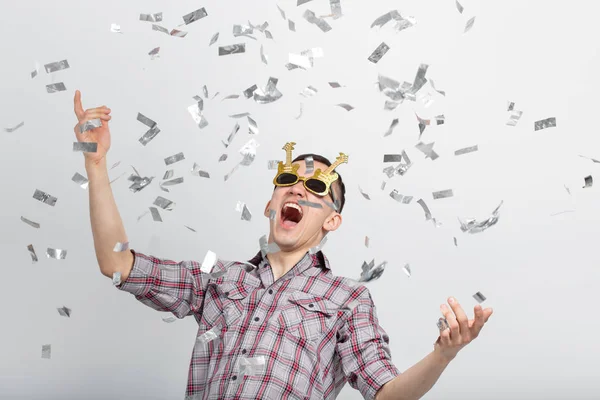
(293, 205)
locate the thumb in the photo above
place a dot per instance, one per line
(78, 108)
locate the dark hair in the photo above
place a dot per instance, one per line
(339, 181)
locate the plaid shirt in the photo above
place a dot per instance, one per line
(315, 330)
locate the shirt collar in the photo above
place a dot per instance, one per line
(308, 261)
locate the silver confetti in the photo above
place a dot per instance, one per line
(252, 365)
(58, 254)
(248, 150)
(459, 7)
(379, 52)
(366, 241)
(473, 226)
(313, 19)
(149, 135)
(262, 55)
(300, 2)
(34, 257)
(319, 247)
(119, 247)
(164, 203)
(81, 180)
(139, 183)
(44, 197)
(469, 24)
(370, 272)
(31, 223)
(291, 25)
(401, 22)
(301, 110)
(545, 123)
(155, 215)
(232, 49)
(419, 81)
(391, 128)
(392, 158)
(56, 66)
(232, 96)
(209, 335)
(336, 8)
(223, 157)
(145, 120)
(64, 311)
(169, 320)
(246, 215)
(214, 39)
(479, 297)
(310, 164)
(345, 106)
(209, 262)
(157, 17)
(116, 278)
(592, 159)
(272, 215)
(197, 115)
(589, 181)
(442, 324)
(249, 93)
(178, 33)
(197, 172)
(89, 125)
(366, 196)
(309, 91)
(174, 158)
(14, 128)
(115, 28)
(252, 126)
(243, 30)
(396, 196)
(234, 131)
(434, 88)
(273, 164)
(168, 174)
(205, 91)
(455, 242)
(267, 248)
(36, 70)
(194, 16)
(86, 147)
(427, 149)
(334, 85)
(334, 206)
(191, 229)
(56, 87)
(172, 182)
(407, 270)
(160, 29)
(154, 53)
(442, 194)
(282, 13)
(309, 204)
(466, 150)
(425, 208)
(46, 351)
(269, 94)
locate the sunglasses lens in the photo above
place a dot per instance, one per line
(316, 185)
(286, 179)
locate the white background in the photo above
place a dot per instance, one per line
(538, 271)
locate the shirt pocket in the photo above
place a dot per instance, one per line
(308, 316)
(226, 305)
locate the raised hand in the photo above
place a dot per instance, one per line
(100, 135)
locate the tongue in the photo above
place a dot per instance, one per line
(289, 224)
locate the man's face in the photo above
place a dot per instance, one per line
(294, 229)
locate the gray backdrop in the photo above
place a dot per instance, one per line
(536, 269)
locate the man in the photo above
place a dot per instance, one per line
(280, 326)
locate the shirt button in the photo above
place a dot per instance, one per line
(256, 319)
(233, 378)
(311, 305)
(244, 351)
(226, 293)
(270, 291)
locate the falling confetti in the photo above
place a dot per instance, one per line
(545, 123)
(469, 24)
(345, 106)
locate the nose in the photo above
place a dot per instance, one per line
(297, 189)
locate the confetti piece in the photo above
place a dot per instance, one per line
(174, 158)
(466, 150)
(366, 196)
(378, 53)
(163, 203)
(310, 164)
(269, 94)
(209, 335)
(243, 30)
(401, 22)
(14, 128)
(391, 128)
(194, 16)
(262, 55)
(592, 159)
(205, 91)
(455, 242)
(252, 126)
(35, 72)
(145, 120)
(248, 150)
(309, 91)
(116, 278)
(155, 214)
(366, 241)
(434, 88)
(479, 297)
(44, 197)
(85, 147)
(309, 204)
(223, 157)
(46, 351)
(197, 115)
(64, 312)
(56, 87)
(157, 17)
(469, 24)
(473, 226)
(58, 254)
(231, 96)
(545, 123)
(427, 149)
(407, 270)
(425, 208)
(232, 49)
(114, 28)
(154, 53)
(246, 215)
(442, 324)
(301, 111)
(334, 85)
(589, 181)
(169, 320)
(459, 7)
(149, 135)
(209, 262)
(119, 247)
(241, 115)
(81, 180)
(265, 247)
(234, 131)
(178, 33)
(31, 223)
(282, 13)
(336, 8)
(34, 257)
(317, 248)
(370, 272)
(160, 29)
(313, 19)
(214, 39)
(345, 106)
(392, 158)
(291, 25)
(442, 194)
(56, 66)
(514, 116)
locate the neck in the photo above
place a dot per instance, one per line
(283, 261)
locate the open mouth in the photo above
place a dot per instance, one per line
(291, 215)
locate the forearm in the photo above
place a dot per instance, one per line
(413, 383)
(107, 226)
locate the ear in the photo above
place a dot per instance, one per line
(268, 209)
(333, 221)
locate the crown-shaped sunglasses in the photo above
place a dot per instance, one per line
(319, 183)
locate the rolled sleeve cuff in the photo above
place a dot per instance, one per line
(141, 276)
(375, 375)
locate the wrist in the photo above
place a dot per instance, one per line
(94, 164)
(441, 357)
